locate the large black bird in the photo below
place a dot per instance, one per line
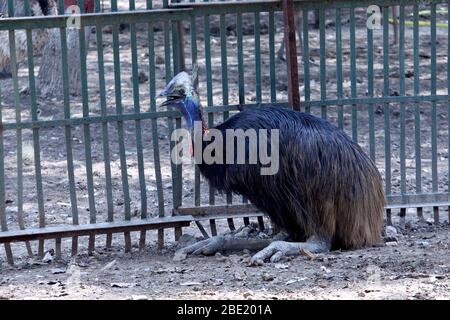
(327, 193)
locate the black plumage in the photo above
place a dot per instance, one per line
(326, 186)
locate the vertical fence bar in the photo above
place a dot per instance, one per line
(179, 186)
(36, 144)
(168, 75)
(194, 52)
(120, 128)
(225, 96)
(138, 129)
(178, 64)
(370, 91)
(154, 123)
(179, 28)
(448, 92)
(224, 63)
(177, 181)
(258, 57)
(86, 128)
(258, 80)
(3, 221)
(387, 129)
(323, 59)
(402, 107)
(339, 76)
(434, 167)
(273, 79)
(240, 58)
(291, 53)
(307, 80)
(258, 77)
(210, 102)
(353, 73)
(14, 71)
(68, 128)
(105, 136)
(241, 84)
(417, 135)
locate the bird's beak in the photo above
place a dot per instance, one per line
(172, 97)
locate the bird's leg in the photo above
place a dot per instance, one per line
(221, 243)
(278, 249)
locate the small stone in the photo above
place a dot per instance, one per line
(239, 276)
(180, 255)
(267, 277)
(391, 232)
(325, 269)
(220, 257)
(423, 243)
(48, 258)
(291, 282)
(190, 284)
(392, 244)
(58, 271)
(142, 77)
(122, 285)
(108, 265)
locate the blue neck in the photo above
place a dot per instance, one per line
(190, 108)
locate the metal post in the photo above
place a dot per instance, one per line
(291, 54)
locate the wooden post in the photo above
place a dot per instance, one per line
(291, 54)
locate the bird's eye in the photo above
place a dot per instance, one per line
(182, 91)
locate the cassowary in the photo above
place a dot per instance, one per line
(327, 193)
(40, 36)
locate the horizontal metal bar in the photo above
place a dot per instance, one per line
(208, 7)
(380, 100)
(249, 210)
(97, 228)
(418, 205)
(92, 19)
(123, 117)
(420, 200)
(228, 7)
(229, 216)
(183, 11)
(215, 210)
(213, 109)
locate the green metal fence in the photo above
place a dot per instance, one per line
(111, 146)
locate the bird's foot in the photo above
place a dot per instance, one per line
(279, 249)
(206, 247)
(221, 243)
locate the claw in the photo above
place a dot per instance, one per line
(205, 247)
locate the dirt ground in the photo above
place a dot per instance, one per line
(415, 267)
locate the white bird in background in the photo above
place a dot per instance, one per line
(39, 36)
